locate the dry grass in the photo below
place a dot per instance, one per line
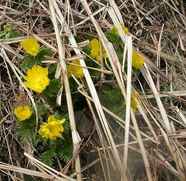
(144, 145)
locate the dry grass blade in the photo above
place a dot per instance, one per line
(128, 106)
(94, 94)
(62, 67)
(25, 171)
(170, 143)
(48, 169)
(156, 95)
(142, 148)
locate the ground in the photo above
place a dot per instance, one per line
(92, 90)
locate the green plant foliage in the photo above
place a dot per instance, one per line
(25, 130)
(66, 126)
(79, 101)
(30, 178)
(29, 60)
(90, 63)
(53, 88)
(62, 149)
(87, 50)
(113, 37)
(65, 151)
(8, 32)
(42, 109)
(52, 70)
(51, 91)
(47, 156)
(48, 150)
(43, 53)
(112, 99)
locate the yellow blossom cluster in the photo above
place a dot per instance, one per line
(37, 78)
(30, 46)
(23, 112)
(134, 101)
(52, 129)
(115, 31)
(137, 58)
(96, 50)
(75, 69)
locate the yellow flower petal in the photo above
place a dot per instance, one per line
(75, 69)
(30, 46)
(52, 129)
(137, 60)
(23, 112)
(134, 100)
(115, 31)
(96, 50)
(37, 78)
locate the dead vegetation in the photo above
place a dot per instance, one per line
(116, 143)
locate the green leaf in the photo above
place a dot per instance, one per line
(61, 148)
(87, 50)
(65, 150)
(112, 99)
(66, 126)
(8, 32)
(53, 88)
(52, 70)
(42, 109)
(25, 129)
(12, 34)
(48, 156)
(43, 53)
(30, 60)
(113, 37)
(2, 34)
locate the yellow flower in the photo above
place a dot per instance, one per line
(75, 69)
(31, 46)
(52, 129)
(37, 78)
(115, 31)
(23, 112)
(137, 60)
(96, 50)
(134, 100)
